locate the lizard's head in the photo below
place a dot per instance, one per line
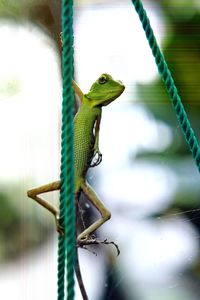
(104, 90)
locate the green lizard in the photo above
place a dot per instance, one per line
(86, 148)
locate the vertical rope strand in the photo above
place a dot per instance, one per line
(66, 244)
(169, 82)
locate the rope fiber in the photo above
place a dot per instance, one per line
(169, 83)
(66, 244)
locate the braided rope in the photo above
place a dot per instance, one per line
(66, 244)
(169, 82)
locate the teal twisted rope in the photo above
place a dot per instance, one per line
(169, 82)
(66, 244)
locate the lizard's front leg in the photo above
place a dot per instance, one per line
(93, 198)
(97, 154)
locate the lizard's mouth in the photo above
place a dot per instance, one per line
(122, 86)
(112, 98)
(120, 82)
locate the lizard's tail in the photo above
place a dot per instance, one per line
(79, 278)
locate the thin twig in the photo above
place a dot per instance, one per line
(95, 241)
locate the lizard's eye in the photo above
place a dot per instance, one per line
(102, 79)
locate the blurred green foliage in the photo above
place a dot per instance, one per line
(21, 228)
(43, 13)
(181, 47)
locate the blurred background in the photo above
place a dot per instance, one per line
(147, 178)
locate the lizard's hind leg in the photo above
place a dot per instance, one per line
(33, 194)
(93, 198)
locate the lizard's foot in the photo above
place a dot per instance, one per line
(59, 227)
(97, 159)
(92, 240)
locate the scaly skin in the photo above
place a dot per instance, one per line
(86, 147)
(83, 135)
